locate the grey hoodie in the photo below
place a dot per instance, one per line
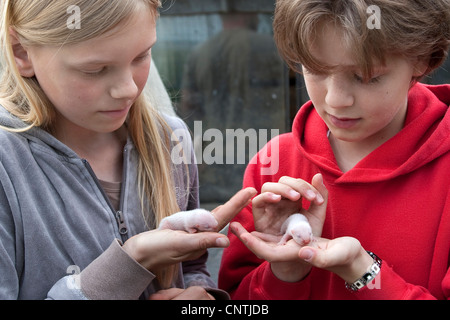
(60, 238)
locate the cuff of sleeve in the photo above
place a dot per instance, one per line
(281, 290)
(114, 275)
(387, 285)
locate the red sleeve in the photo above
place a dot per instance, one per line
(390, 286)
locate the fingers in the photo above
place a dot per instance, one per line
(263, 199)
(194, 293)
(273, 192)
(344, 256)
(268, 251)
(317, 182)
(226, 212)
(167, 294)
(205, 240)
(292, 189)
(159, 248)
(191, 293)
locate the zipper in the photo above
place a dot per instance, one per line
(123, 230)
(118, 215)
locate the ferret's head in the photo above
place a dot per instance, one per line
(302, 234)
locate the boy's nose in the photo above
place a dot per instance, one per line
(338, 94)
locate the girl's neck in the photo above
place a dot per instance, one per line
(103, 151)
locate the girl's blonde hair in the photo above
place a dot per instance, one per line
(44, 23)
(415, 29)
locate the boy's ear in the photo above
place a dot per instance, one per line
(23, 61)
(420, 67)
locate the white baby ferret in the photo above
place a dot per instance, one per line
(191, 221)
(296, 227)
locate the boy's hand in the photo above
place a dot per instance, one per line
(343, 256)
(278, 201)
(270, 209)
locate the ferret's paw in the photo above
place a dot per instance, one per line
(286, 237)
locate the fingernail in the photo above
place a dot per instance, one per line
(275, 196)
(294, 194)
(222, 242)
(320, 199)
(306, 254)
(311, 194)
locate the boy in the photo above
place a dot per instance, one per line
(375, 145)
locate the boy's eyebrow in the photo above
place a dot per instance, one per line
(375, 67)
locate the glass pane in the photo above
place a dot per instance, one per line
(228, 83)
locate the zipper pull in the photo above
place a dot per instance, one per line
(121, 222)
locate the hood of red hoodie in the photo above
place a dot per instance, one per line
(424, 138)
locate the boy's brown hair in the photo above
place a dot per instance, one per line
(415, 29)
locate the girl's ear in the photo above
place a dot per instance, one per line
(23, 61)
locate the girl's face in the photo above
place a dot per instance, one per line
(94, 84)
(368, 112)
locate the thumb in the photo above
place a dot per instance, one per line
(317, 182)
(317, 211)
(307, 254)
(316, 258)
(206, 240)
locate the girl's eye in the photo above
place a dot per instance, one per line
(94, 73)
(144, 57)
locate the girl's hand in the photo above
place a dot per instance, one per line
(270, 210)
(158, 249)
(191, 293)
(226, 212)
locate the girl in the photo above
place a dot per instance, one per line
(85, 166)
(375, 145)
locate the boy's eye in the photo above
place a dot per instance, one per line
(360, 79)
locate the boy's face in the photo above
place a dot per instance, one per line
(367, 113)
(93, 84)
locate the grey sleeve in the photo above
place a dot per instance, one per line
(114, 275)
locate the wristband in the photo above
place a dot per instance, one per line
(368, 276)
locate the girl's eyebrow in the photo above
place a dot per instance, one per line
(96, 61)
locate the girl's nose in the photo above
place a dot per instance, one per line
(125, 88)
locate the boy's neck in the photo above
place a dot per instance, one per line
(349, 153)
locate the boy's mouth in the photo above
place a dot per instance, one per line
(343, 123)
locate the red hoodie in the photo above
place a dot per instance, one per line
(396, 202)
